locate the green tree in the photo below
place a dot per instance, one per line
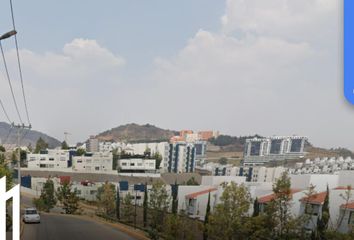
(14, 157)
(206, 219)
(145, 205)
(255, 208)
(229, 216)
(2, 158)
(41, 145)
(118, 205)
(2, 148)
(47, 198)
(283, 224)
(147, 153)
(178, 227)
(106, 196)
(128, 209)
(174, 198)
(64, 145)
(157, 156)
(80, 152)
(322, 221)
(192, 182)
(68, 198)
(159, 203)
(223, 161)
(23, 157)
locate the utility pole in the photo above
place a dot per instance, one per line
(19, 127)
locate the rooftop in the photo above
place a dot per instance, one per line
(270, 197)
(196, 194)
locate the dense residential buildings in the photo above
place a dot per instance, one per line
(252, 173)
(323, 165)
(258, 151)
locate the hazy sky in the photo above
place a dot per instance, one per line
(238, 66)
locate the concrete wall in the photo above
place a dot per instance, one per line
(318, 180)
(217, 180)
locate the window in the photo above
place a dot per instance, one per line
(51, 159)
(42, 158)
(97, 168)
(79, 161)
(132, 164)
(124, 164)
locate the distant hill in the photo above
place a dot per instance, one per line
(137, 133)
(9, 136)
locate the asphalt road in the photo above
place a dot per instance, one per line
(62, 227)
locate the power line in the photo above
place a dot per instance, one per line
(19, 63)
(4, 110)
(10, 84)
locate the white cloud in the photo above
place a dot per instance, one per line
(289, 19)
(274, 68)
(68, 90)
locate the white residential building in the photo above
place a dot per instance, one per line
(92, 144)
(262, 150)
(136, 165)
(94, 162)
(162, 148)
(49, 159)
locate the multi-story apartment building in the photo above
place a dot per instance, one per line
(262, 150)
(52, 158)
(93, 162)
(92, 144)
(181, 158)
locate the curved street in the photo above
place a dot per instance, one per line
(64, 227)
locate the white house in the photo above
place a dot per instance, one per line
(94, 162)
(49, 159)
(136, 165)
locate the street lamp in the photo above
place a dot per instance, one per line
(8, 35)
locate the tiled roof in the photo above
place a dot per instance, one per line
(343, 188)
(270, 197)
(317, 198)
(348, 206)
(196, 194)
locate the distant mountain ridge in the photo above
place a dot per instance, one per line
(137, 133)
(9, 136)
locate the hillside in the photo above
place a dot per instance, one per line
(137, 133)
(9, 136)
